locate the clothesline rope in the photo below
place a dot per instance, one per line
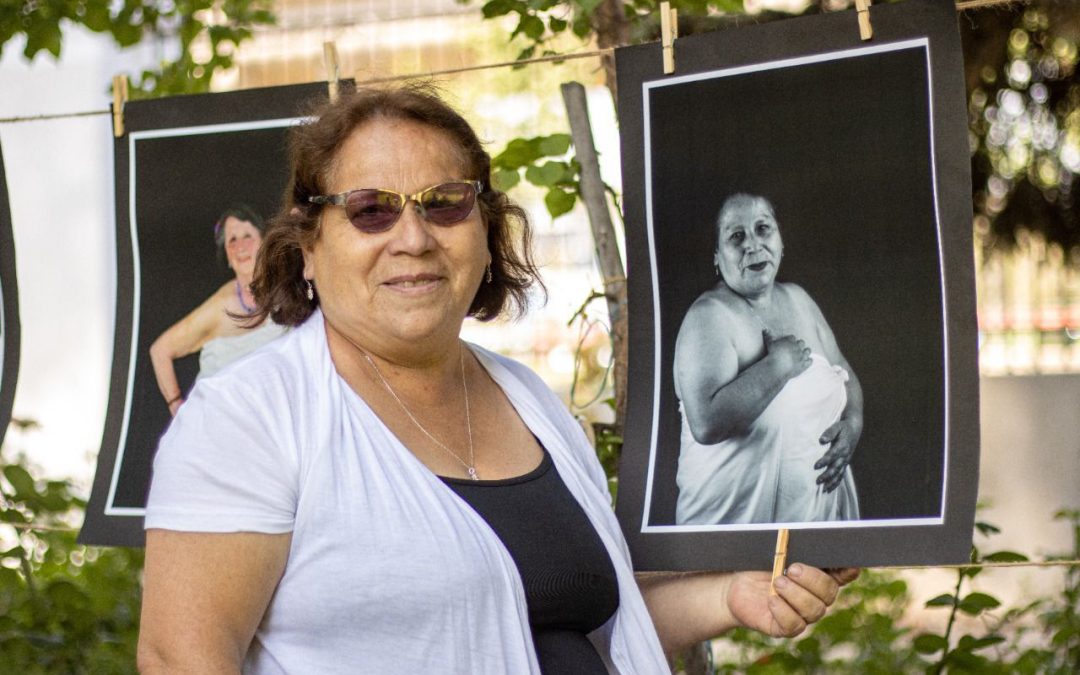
(961, 5)
(31, 527)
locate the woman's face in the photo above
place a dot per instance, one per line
(415, 281)
(748, 254)
(242, 242)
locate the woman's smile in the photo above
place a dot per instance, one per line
(414, 284)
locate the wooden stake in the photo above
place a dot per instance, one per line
(779, 559)
(330, 60)
(594, 197)
(669, 30)
(119, 99)
(866, 31)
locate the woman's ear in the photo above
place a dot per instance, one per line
(309, 264)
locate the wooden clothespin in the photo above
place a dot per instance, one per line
(779, 559)
(862, 7)
(330, 60)
(669, 30)
(119, 99)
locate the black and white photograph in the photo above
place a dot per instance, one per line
(197, 178)
(802, 331)
(9, 308)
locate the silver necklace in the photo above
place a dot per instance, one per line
(470, 466)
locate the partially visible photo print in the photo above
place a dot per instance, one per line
(802, 295)
(9, 308)
(198, 180)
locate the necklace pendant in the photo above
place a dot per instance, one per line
(472, 473)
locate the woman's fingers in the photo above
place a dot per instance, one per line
(808, 592)
(803, 596)
(844, 575)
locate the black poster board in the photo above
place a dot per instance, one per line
(9, 308)
(182, 161)
(861, 147)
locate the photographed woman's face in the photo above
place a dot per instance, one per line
(242, 242)
(748, 254)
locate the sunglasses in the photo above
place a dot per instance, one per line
(371, 210)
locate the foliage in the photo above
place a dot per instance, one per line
(557, 175)
(1024, 113)
(204, 33)
(540, 22)
(864, 633)
(64, 607)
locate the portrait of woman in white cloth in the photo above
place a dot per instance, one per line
(771, 410)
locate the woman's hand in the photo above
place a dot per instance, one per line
(791, 354)
(842, 437)
(802, 597)
(687, 608)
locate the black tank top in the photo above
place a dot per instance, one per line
(570, 583)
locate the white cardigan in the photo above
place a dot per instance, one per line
(388, 571)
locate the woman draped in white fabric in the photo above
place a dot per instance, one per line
(771, 409)
(370, 494)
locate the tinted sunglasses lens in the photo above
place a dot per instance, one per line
(448, 203)
(372, 210)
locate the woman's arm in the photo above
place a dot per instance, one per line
(690, 607)
(203, 597)
(719, 401)
(184, 337)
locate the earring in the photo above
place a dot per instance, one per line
(310, 290)
(488, 277)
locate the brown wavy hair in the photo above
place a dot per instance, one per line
(279, 286)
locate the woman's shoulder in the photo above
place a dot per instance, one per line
(712, 310)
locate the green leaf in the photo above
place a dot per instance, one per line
(43, 33)
(531, 26)
(554, 145)
(971, 643)
(975, 603)
(96, 17)
(581, 26)
(548, 174)
(1006, 556)
(971, 572)
(559, 202)
(505, 179)
(498, 8)
(557, 25)
(945, 600)
(588, 6)
(524, 54)
(21, 481)
(929, 643)
(12, 516)
(986, 528)
(518, 152)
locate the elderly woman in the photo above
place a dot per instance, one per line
(771, 409)
(369, 494)
(216, 328)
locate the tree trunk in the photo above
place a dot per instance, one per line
(612, 30)
(607, 250)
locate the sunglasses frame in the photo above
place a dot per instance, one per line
(341, 199)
